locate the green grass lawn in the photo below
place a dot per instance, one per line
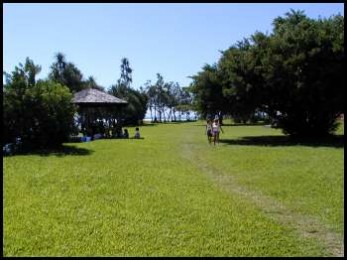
(172, 194)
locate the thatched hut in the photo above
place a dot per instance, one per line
(100, 112)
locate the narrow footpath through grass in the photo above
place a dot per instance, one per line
(305, 225)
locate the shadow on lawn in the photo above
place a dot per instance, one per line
(59, 151)
(145, 124)
(166, 123)
(336, 141)
(241, 124)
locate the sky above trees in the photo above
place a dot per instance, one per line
(175, 40)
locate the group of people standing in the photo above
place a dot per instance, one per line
(212, 131)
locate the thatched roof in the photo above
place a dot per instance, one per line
(92, 96)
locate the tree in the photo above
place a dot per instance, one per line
(91, 83)
(36, 111)
(295, 75)
(240, 71)
(150, 91)
(161, 96)
(32, 70)
(15, 117)
(126, 73)
(174, 94)
(136, 109)
(184, 102)
(157, 97)
(207, 89)
(163, 99)
(52, 113)
(67, 74)
(304, 74)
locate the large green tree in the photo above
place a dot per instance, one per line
(239, 73)
(304, 73)
(40, 113)
(207, 89)
(295, 75)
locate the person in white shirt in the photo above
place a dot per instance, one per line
(216, 128)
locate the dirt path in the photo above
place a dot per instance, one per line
(306, 226)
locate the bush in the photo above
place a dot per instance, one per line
(53, 111)
(41, 114)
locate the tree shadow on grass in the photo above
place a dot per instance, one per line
(145, 124)
(167, 123)
(336, 141)
(240, 124)
(122, 139)
(64, 150)
(245, 124)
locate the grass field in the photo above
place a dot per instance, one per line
(172, 194)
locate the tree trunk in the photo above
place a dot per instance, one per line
(155, 113)
(174, 115)
(159, 111)
(169, 116)
(164, 115)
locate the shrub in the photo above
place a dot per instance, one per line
(41, 113)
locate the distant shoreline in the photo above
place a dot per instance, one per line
(182, 119)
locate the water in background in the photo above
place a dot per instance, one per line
(179, 117)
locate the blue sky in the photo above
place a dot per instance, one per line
(175, 40)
